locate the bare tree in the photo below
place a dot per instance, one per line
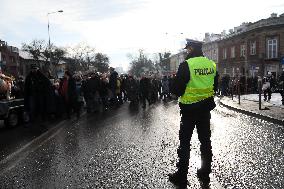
(164, 61)
(83, 54)
(50, 55)
(102, 62)
(141, 64)
(35, 48)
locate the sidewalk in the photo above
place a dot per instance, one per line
(272, 111)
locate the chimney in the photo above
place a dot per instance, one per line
(273, 15)
(223, 33)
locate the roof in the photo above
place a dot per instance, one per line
(26, 55)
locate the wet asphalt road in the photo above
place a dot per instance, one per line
(13, 139)
(128, 148)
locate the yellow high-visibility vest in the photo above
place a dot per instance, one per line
(200, 86)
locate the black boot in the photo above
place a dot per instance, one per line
(178, 179)
(205, 170)
(203, 175)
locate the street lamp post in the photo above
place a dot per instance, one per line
(59, 11)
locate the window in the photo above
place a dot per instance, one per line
(214, 54)
(12, 59)
(253, 48)
(243, 50)
(232, 52)
(224, 53)
(4, 60)
(272, 48)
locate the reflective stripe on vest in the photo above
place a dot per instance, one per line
(200, 85)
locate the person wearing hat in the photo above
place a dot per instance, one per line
(194, 84)
(37, 90)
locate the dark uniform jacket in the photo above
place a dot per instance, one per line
(179, 86)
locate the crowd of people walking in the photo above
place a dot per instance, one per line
(45, 96)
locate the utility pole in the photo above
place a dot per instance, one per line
(48, 29)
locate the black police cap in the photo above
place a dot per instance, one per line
(193, 43)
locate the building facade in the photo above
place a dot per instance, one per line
(210, 47)
(211, 51)
(26, 60)
(254, 50)
(9, 59)
(174, 62)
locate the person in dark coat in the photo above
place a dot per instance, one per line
(94, 86)
(124, 79)
(69, 94)
(118, 91)
(37, 90)
(225, 85)
(145, 87)
(155, 90)
(87, 93)
(165, 88)
(113, 85)
(195, 88)
(171, 83)
(103, 91)
(132, 90)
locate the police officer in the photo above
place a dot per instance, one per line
(194, 84)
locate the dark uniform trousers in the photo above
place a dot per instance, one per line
(188, 122)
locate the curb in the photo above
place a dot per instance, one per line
(253, 114)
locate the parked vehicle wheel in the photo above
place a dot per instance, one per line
(12, 120)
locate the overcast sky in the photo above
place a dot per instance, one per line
(120, 27)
